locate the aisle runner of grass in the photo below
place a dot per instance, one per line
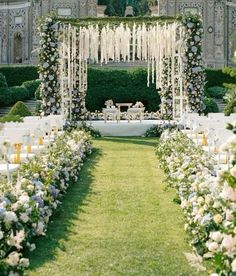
(119, 220)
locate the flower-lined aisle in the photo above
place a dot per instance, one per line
(208, 202)
(119, 221)
(27, 205)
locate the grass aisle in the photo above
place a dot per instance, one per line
(117, 221)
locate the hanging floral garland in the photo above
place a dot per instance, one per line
(48, 66)
(161, 46)
(193, 65)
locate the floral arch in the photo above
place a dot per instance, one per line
(170, 46)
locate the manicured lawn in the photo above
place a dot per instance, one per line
(118, 220)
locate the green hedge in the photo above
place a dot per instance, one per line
(3, 82)
(14, 94)
(216, 92)
(211, 106)
(31, 86)
(120, 86)
(16, 75)
(19, 93)
(5, 97)
(217, 77)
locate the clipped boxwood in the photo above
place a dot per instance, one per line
(31, 86)
(211, 106)
(19, 109)
(17, 74)
(18, 93)
(120, 86)
(216, 92)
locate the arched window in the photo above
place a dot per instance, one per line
(18, 48)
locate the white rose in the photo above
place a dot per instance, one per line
(234, 265)
(218, 219)
(10, 217)
(13, 259)
(213, 246)
(24, 262)
(229, 215)
(228, 243)
(24, 217)
(200, 200)
(39, 229)
(233, 171)
(216, 236)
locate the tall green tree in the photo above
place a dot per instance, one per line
(115, 8)
(141, 7)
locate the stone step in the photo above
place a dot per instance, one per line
(221, 104)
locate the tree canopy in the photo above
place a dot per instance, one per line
(117, 8)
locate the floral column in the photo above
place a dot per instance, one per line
(48, 67)
(193, 64)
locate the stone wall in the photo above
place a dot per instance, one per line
(18, 25)
(219, 18)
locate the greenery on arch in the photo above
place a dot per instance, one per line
(193, 74)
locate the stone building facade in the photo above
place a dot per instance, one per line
(18, 24)
(219, 18)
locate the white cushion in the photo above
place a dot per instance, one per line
(12, 168)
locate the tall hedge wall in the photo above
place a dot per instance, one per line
(120, 86)
(16, 75)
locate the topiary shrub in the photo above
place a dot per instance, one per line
(3, 82)
(20, 109)
(210, 106)
(31, 86)
(18, 93)
(216, 92)
(10, 118)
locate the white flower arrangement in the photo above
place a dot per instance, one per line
(109, 103)
(26, 209)
(208, 202)
(48, 67)
(194, 73)
(83, 44)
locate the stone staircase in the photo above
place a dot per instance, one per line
(221, 105)
(31, 104)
